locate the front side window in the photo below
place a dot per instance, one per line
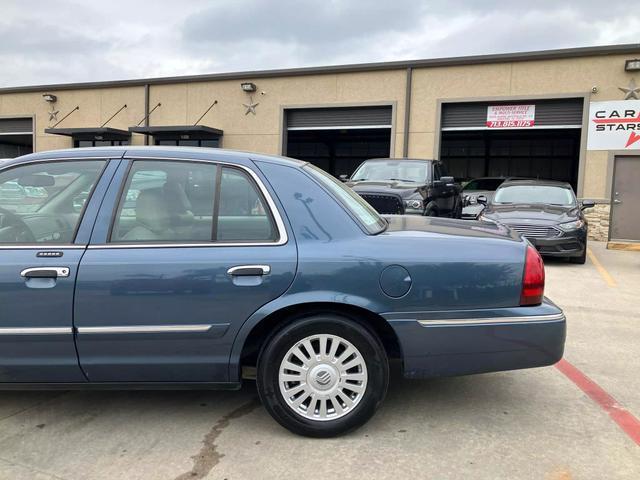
(545, 194)
(358, 207)
(43, 202)
(183, 202)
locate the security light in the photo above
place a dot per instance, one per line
(50, 98)
(632, 65)
(248, 87)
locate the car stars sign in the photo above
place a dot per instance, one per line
(511, 116)
(614, 125)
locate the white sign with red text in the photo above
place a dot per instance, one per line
(614, 125)
(511, 116)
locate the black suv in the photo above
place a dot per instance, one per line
(406, 186)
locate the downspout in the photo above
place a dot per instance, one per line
(407, 113)
(146, 111)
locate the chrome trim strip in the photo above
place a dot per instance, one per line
(266, 269)
(146, 329)
(491, 320)
(35, 330)
(282, 231)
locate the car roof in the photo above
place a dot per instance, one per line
(400, 160)
(193, 153)
(548, 183)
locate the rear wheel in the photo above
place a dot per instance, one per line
(322, 376)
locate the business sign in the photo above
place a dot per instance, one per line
(614, 125)
(511, 116)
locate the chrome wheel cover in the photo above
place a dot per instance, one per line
(322, 377)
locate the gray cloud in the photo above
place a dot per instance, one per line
(86, 41)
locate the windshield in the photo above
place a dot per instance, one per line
(488, 184)
(364, 212)
(400, 170)
(546, 194)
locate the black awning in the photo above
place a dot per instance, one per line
(179, 132)
(97, 133)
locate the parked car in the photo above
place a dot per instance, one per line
(402, 186)
(546, 212)
(302, 285)
(486, 186)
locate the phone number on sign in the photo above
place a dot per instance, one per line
(510, 123)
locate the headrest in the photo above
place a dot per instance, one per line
(152, 210)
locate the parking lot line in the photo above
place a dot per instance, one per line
(625, 419)
(603, 271)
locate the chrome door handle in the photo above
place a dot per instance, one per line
(615, 200)
(45, 272)
(249, 270)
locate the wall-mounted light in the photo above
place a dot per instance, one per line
(50, 98)
(632, 65)
(248, 87)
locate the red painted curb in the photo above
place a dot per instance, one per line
(625, 419)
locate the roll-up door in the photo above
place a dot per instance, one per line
(560, 113)
(16, 137)
(339, 118)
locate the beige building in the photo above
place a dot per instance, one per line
(338, 116)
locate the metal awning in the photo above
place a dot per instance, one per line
(179, 132)
(97, 133)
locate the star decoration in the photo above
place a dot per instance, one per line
(632, 91)
(53, 115)
(251, 107)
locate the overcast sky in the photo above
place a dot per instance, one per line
(45, 41)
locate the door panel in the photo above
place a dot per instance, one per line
(43, 203)
(155, 301)
(625, 221)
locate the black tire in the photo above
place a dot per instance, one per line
(582, 259)
(430, 211)
(273, 353)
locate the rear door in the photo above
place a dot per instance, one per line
(182, 254)
(46, 212)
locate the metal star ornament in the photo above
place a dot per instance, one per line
(53, 115)
(632, 91)
(251, 107)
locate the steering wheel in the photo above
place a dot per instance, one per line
(13, 228)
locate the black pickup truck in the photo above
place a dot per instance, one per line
(407, 186)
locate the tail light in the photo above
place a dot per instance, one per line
(533, 279)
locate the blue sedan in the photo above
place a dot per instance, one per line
(141, 267)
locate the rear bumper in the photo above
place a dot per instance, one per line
(564, 246)
(450, 343)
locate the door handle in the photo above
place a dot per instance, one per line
(615, 200)
(249, 270)
(45, 272)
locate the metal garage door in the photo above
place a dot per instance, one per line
(560, 113)
(340, 118)
(16, 137)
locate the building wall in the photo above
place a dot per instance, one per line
(184, 103)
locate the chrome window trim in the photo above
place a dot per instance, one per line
(43, 246)
(491, 320)
(147, 329)
(35, 330)
(283, 237)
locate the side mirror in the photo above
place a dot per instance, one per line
(482, 199)
(448, 181)
(344, 177)
(587, 204)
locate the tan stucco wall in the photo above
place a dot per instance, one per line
(183, 103)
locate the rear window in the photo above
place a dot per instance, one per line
(360, 209)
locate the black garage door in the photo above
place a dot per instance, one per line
(16, 137)
(338, 139)
(549, 150)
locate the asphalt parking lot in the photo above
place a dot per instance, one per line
(534, 424)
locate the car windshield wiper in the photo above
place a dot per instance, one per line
(402, 180)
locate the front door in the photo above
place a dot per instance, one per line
(625, 219)
(194, 248)
(41, 207)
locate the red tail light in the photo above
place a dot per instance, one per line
(533, 279)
